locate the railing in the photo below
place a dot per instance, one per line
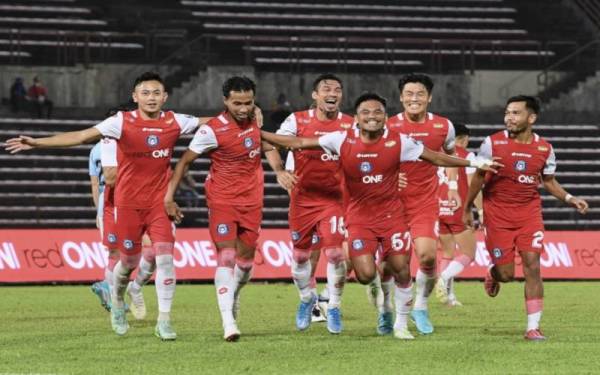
(592, 9)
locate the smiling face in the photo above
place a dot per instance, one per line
(150, 97)
(371, 116)
(328, 97)
(240, 105)
(518, 118)
(415, 98)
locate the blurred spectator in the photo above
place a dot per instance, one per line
(281, 110)
(186, 192)
(17, 95)
(38, 97)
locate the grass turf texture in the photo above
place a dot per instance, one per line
(63, 330)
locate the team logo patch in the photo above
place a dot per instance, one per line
(390, 144)
(128, 244)
(295, 236)
(437, 126)
(152, 140)
(358, 244)
(520, 165)
(248, 143)
(542, 148)
(112, 238)
(315, 238)
(497, 253)
(222, 229)
(366, 167)
(345, 125)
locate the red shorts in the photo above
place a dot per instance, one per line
(109, 230)
(451, 226)
(317, 227)
(131, 223)
(423, 219)
(227, 223)
(502, 243)
(393, 239)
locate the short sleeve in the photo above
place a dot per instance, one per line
(550, 166)
(112, 126)
(187, 123)
(288, 126)
(410, 150)
(485, 150)
(108, 153)
(204, 140)
(470, 157)
(332, 142)
(450, 137)
(94, 156)
(289, 162)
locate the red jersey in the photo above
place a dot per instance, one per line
(144, 149)
(236, 174)
(437, 134)
(511, 196)
(319, 172)
(448, 211)
(371, 173)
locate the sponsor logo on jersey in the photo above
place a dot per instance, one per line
(366, 156)
(169, 121)
(222, 229)
(254, 153)
(497, 253)
(351, 141)
(390, 144)
(520, 165)
(223, 129)
(112, 238)
(155, 130)
(366, 167)
(314, 239)
(329, 157)
(295, 236)
(152, 140)
(128, 244)
(372, 179)
(245, 132)
(542, 148)
(438, 126)
(418, 135)
(318, 132)
(358, 244)
(248, 142)
(500, 142)
(345, 125)
(520, 154)
(525, 179)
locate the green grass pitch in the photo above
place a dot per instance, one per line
(63, 330)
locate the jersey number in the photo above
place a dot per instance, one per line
(337, 225)
(400, 240)
(537, 239)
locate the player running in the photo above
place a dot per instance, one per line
(234, 192)
(512, 204)
(370, 159)
(316, 201)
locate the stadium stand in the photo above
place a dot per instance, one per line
(50, 188)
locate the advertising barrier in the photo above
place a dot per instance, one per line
(59, 255)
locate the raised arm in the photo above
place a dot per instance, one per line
(181, 169)
(68, 139)
(553, 187)
(443, 160)
(288, 141)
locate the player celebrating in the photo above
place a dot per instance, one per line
(420, 198)
(145, 139)
(370, 159)
(234, 192)
(452, 228)
(512, 204)
(316, 207)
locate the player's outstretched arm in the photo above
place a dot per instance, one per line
(68, 139)
(289, 141)
(553, 187)
(474, 191)
(443, 160)
(181, 169)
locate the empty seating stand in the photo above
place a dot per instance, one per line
(50, 188)
(367, 35)
(62, 32)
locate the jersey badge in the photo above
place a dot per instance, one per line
(295, 236)
(358, 245)
(128, 244)
(520, 165)
(497, 253)
(366, 167)
(112, 238)
(390, 143)
(222, 229)
(315, 239)
(248, 142)
(152, 140)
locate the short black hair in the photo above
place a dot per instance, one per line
(423, 79)
(369, 96)
(237, 83)
(326, 77)
(124, 107)
(461, 129)
(149, 76)
(531, 102)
